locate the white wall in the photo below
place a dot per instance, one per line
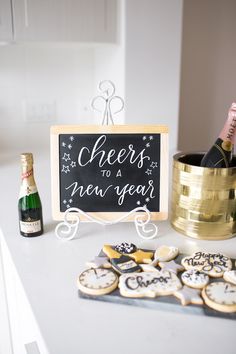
(110, 64)
(153, 48)
(144, 66)
(38, 74)
(208, 79)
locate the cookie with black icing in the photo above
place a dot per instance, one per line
(125, 248)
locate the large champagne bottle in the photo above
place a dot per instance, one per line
(221, 153)
(29, 205)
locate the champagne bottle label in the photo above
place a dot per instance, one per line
(30, 227)
(27, 190)
(28, 185)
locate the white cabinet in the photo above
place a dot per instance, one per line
(21, 328)
(58, 20)
(64, 20)
(6, 29)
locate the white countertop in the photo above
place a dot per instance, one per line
(48, 268)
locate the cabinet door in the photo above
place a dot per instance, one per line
(65, 20)
(6, 32)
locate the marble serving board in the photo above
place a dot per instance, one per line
(165, 303)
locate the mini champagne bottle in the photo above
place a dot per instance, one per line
(29, 205)
(221, 153)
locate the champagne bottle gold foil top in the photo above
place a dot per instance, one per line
(27, 158)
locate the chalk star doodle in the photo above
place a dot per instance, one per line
(154, 164)
(150, 137)
(63, 144)
(70, 146)
(67, 202)
(148, 172)
(71, 138)
(144, 138)
(73, 164)
(147, 200)
(65, 169)
(148, 145)
(138, 202)
(66, 157)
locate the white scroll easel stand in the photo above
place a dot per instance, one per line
(68, 228)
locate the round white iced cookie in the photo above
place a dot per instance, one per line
(149, 284)
(166, 253)
(213, 264)
(194, 278)
(230, 276)
(220, 296)
(98, 281)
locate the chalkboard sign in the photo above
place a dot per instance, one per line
(109, 169)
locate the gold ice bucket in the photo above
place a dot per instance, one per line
(203, 202)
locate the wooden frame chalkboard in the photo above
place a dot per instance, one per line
(109, 170)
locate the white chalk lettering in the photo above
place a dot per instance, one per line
(89, 190)
(86, 156)
(119, 174)
(130, 189)
(106, 173)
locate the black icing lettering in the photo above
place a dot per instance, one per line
(210, 261)
(133, 283)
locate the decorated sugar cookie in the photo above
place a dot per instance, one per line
(213, 264)
(129, 249)
(148, 268)
(148, 284)
(220, 296)
(98, 281)
(166, 253)
(99, 262)
(125, 248)
(194, 278)
(119, 262)
(172, 266)
(230, 276)
(189, 296)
